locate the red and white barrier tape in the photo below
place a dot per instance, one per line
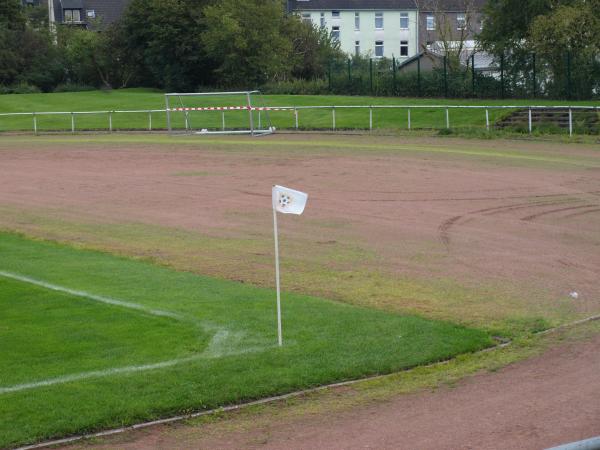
(229, 108)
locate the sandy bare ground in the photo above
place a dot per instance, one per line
(515, 225)
(535, 404)
(507, 229)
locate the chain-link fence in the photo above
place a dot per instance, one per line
(568, 76)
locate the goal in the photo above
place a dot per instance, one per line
(218, 113)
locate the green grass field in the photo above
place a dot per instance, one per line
(92, 341)
(146, 99)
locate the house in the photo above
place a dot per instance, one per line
(379, 28)
(84, 13)
(395, 28)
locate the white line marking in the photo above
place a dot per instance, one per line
(222, 343)
(97, 298)
(217, 341)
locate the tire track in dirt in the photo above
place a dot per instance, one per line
(582, 213)
(552, 211)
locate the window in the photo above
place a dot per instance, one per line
(306, 18)
(323, 23)
(335, 14)
(379, 49)
(72, 15)
(335, 33)
(379, 21)
(404, 21)
(91, 14)
(403, 48)
(357, 48)
(357, 21)
(430, 23)
(461, 22)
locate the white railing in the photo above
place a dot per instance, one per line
(295, 109)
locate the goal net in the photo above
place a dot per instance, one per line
(217, 113)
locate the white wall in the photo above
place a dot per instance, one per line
(391, 34)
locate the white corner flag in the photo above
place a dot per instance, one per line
(286, 201)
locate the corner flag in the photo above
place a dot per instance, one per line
(286, 201)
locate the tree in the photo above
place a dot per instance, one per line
(163, 41)
(244, 39)
(568, 38)
(311, 48)
(26, 51)
(507, 24)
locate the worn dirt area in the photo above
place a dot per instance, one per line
(539, 403)
(468, 230)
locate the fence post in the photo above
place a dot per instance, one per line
(370, 118)
(418, 76)
(34, 123)
(447, 118)
(534, 81)
(473, 74)
(371, 75)
(72, 122)
(259, 121)
(487, 119)
(187, 123)
(530, 121)
(570, 122)
(568, 75)
(149, 120)
(393, 75)
(349, 70)
(110, 121)
(445, 77)
(502, 75)
(409, 125)
(296, 116)
(223, 120)
(333, 117)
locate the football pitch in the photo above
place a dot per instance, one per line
(136, 272)
(92, 341)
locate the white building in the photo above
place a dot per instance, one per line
(377, 28)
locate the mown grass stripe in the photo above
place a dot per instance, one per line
(97, 298)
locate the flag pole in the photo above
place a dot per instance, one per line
(280, 340)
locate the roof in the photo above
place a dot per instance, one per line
(424, 5)
(71, 4)
(351, 4)
(107, 10)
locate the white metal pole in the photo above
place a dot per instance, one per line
(72, 122)
(259, 121)
(333, 117)
(487, 119)
(279, 337)
(570, 122)
(149, 120)
(447, 119)
(168, 111)
(409, 119)
(34, 124)
(296, 117)
(110, 122)
(529, 121)
(223, 120)
(249, 103)
(370, 118)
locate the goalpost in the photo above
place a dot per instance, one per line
(217, 113)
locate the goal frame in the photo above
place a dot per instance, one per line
(252, 129)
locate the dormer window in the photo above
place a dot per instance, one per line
(72, 15)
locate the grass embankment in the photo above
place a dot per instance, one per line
(146, 99)
(222, 332)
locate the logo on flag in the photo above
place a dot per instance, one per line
(288, 201)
